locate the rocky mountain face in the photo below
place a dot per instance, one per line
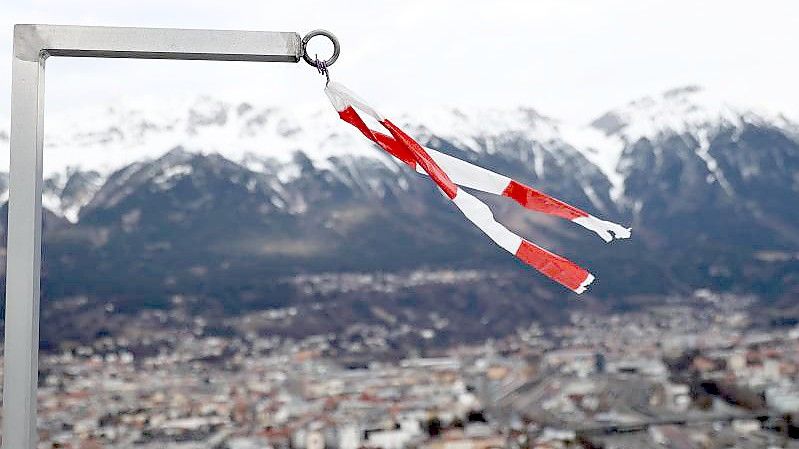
(227, 204)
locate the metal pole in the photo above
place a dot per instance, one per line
(23, 251)
(32, 45)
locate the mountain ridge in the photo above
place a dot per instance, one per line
(257, 137)
(205, 123)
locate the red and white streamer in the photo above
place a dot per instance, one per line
(449, 172)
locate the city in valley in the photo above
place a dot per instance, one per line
(692, 372)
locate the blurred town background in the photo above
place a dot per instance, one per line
(692, 372)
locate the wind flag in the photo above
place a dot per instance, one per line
(449, 173)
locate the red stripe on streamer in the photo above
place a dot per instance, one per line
(396, 149)
(422, 158)
(386, 142)
(557, 268)
(541, 202)
(350, 116)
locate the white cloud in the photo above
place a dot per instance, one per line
(568, 58)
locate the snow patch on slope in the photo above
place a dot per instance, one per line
(600, 149)
(710, 162)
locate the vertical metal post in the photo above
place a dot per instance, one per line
(23, 250)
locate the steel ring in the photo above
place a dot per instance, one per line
(327, 34)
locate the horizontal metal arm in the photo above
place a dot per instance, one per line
(33, 42)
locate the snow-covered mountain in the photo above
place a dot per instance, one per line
(103, 140)
(209, 186)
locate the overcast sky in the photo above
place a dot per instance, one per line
(571, 59)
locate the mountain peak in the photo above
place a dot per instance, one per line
(681, 110)
(676, 110)
(682, 91)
